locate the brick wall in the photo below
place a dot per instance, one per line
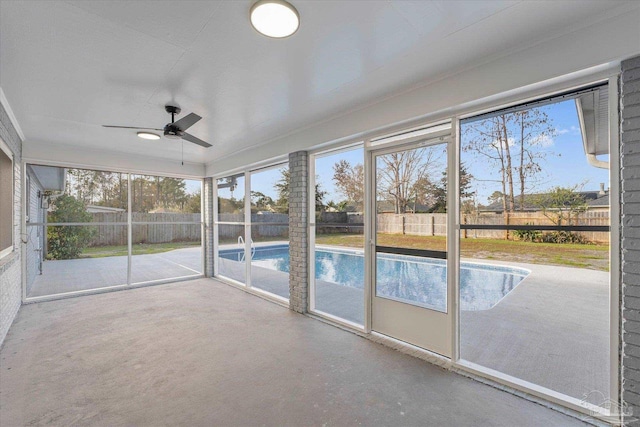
(207, 188)
(298, 231)
(630, 200)
(10, 266)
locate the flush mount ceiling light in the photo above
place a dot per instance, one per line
(274, 18)
(148, 135)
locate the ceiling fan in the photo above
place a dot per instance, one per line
(174, 130)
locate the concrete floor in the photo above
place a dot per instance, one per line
(202, 353)
(551, 330)
(94, 273)
(540, 332)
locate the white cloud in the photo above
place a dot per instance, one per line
(496, 143)
(543, 140)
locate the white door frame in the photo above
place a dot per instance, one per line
(446, 344)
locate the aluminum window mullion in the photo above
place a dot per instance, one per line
(247, 228)
(311, 238)
(129, 229)
(453, 237)
(214, 199)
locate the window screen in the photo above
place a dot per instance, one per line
(6, 203)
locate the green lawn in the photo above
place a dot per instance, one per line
(137, 249)
(595, 257)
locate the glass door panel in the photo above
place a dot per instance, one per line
(410, 255)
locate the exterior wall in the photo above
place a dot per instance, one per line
(630, 223)
(207, 209)
(10, 266)
(298, 231)
(34, 234)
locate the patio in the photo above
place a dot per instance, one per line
(93, 273)
(539, 332)
(203, 353)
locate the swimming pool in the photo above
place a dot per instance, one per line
(420, 281)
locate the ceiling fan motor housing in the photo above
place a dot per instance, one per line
(172, 132)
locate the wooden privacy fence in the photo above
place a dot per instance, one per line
(435, 224)
(262, 225)
(600, 218)
(172, 227)
(177, 227)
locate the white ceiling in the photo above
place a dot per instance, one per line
(66, 68)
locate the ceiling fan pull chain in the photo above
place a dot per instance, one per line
(182, 152)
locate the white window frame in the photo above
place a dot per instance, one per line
(614, 270)
(517, 96)
(313, 156)
(9, 250)
(129, 224)
(247, 173)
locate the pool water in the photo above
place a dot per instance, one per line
(417, 280)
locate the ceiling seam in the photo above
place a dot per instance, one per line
(483, 19)
(123, 25)
(186, 50)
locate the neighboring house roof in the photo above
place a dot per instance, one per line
(385, 206)
(50, 178)
(596, 198)
(103, 209)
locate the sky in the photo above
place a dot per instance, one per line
(565, 163)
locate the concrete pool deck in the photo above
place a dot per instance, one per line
(94, 273)
(551, 330)
(540, 332)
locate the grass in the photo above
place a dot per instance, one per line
(595, 257)
(137, 249)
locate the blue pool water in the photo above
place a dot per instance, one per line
(420, 281)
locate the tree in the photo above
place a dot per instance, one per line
(439, 190)
(398, 173)
(514, 143)
(350, 182)
(193, 204)
(68, 241)
(283, 189)
(496, 196)
(261, 202)
(562, 205)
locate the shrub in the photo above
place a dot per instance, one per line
(528, 235)
(564, 237)
(66, 241)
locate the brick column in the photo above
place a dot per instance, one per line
(630, 235)
(298, 231)
(207, 210)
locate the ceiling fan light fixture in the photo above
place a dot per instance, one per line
(148, 135)
(274, 18)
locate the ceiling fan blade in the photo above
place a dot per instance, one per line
(187, 121)
(191, 138)
(130, 127)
